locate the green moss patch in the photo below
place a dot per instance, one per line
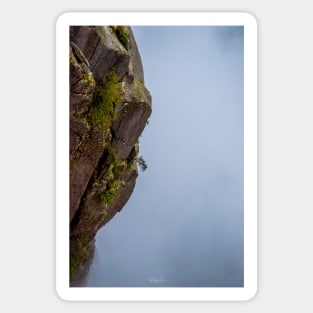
(106, 97)
(113, 175)
(81, 255)
(121, 33)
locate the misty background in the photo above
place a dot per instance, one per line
(183, 225)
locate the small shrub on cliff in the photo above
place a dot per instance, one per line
(133, 159)
(142, 163)
(106, 97)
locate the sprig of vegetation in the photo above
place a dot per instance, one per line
(142, 163)
(133, 159)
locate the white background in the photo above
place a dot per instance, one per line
(27, 137)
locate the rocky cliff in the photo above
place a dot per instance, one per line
(109, 108)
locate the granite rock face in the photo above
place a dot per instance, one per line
(109, 109)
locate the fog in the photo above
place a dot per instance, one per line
(183, 225)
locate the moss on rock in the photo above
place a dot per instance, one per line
(104, 131)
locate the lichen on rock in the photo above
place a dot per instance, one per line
(109, 109)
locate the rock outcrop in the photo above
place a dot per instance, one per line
(109, 108)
